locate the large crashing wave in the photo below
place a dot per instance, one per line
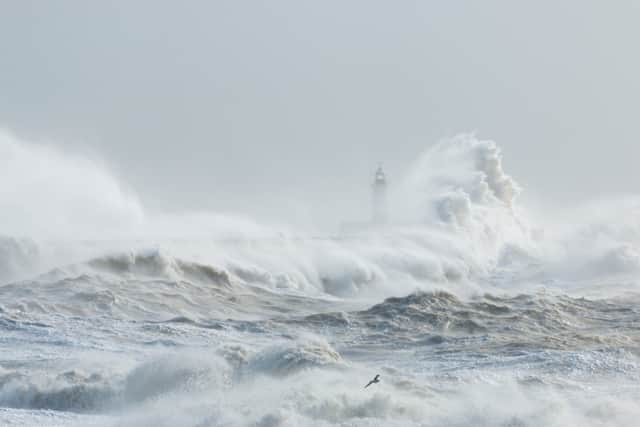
(459, 187)
(457, 226)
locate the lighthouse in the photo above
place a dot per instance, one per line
(379, 206)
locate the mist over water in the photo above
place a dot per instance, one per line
(474, 309)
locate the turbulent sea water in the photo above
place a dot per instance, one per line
(471, 315)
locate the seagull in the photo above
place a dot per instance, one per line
(375, 380)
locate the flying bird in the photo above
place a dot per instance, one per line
(375, 380)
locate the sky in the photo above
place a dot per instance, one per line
(283, 109)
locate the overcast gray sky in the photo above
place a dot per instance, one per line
(231, 105)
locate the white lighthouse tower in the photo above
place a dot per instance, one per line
(380, 215)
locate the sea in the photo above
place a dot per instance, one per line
(474, 309)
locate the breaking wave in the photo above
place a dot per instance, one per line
(458, 228)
